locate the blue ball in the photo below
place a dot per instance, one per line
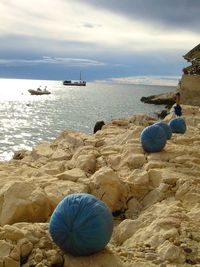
(81, 224)
(178, 125)
(166, 128)
(153, 138)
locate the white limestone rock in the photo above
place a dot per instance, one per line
(105, 258)
(171, 253)
(155, 177)
(72, 175)
(134, 161)
(42, 150)
(133, 208)
(59, 189)
(86, 163)
(9, 262)
(138, 182)
(151, 198)
(5, 248)
(106, 185)
(12, 233)
(69, 140)
(85, 159)
(125, 230)
(53, 167)
(25, 247)
(23, 201)
(60, 154)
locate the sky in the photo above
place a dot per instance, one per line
(115, 40)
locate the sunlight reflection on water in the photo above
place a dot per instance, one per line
(27, 120)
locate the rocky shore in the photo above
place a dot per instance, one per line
(155, 198)
(162, 99)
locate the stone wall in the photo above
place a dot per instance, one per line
(190, 90)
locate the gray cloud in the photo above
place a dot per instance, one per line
(150, 80)
(180, 14)
(106, 40)
(90, 25)
(74, 62)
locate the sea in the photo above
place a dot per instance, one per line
(27, 120)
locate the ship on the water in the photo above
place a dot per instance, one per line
(75, 83)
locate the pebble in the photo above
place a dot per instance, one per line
(187, 250)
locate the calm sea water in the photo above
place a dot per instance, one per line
(27, 120)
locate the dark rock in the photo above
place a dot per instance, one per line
(119, 213)
(23, 260)
(98, 126)
(192, 262)
(187, 250)
(162, 114)
(162, 99)
(20, 154)
(57, 264)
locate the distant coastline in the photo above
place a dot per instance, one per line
(147, 80)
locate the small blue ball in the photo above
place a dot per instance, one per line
(166, 129)
(153, 138)
(81, 224)
(178, 125)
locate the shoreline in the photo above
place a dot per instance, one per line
(161, 99)
(27, 108)
(153, 196)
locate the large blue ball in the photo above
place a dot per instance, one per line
(81, 224)
(166, 128)
(178, 125)
(153, 138)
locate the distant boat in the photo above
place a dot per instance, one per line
(39, 91)
(71, 83)
(75, 83)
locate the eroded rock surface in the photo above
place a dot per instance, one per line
(155, 198)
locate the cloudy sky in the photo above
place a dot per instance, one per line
(105, 39)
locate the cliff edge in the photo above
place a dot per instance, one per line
(190, 89)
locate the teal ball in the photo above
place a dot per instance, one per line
(178, 125)
(166, 128)
(153, 138)
(81, 224)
